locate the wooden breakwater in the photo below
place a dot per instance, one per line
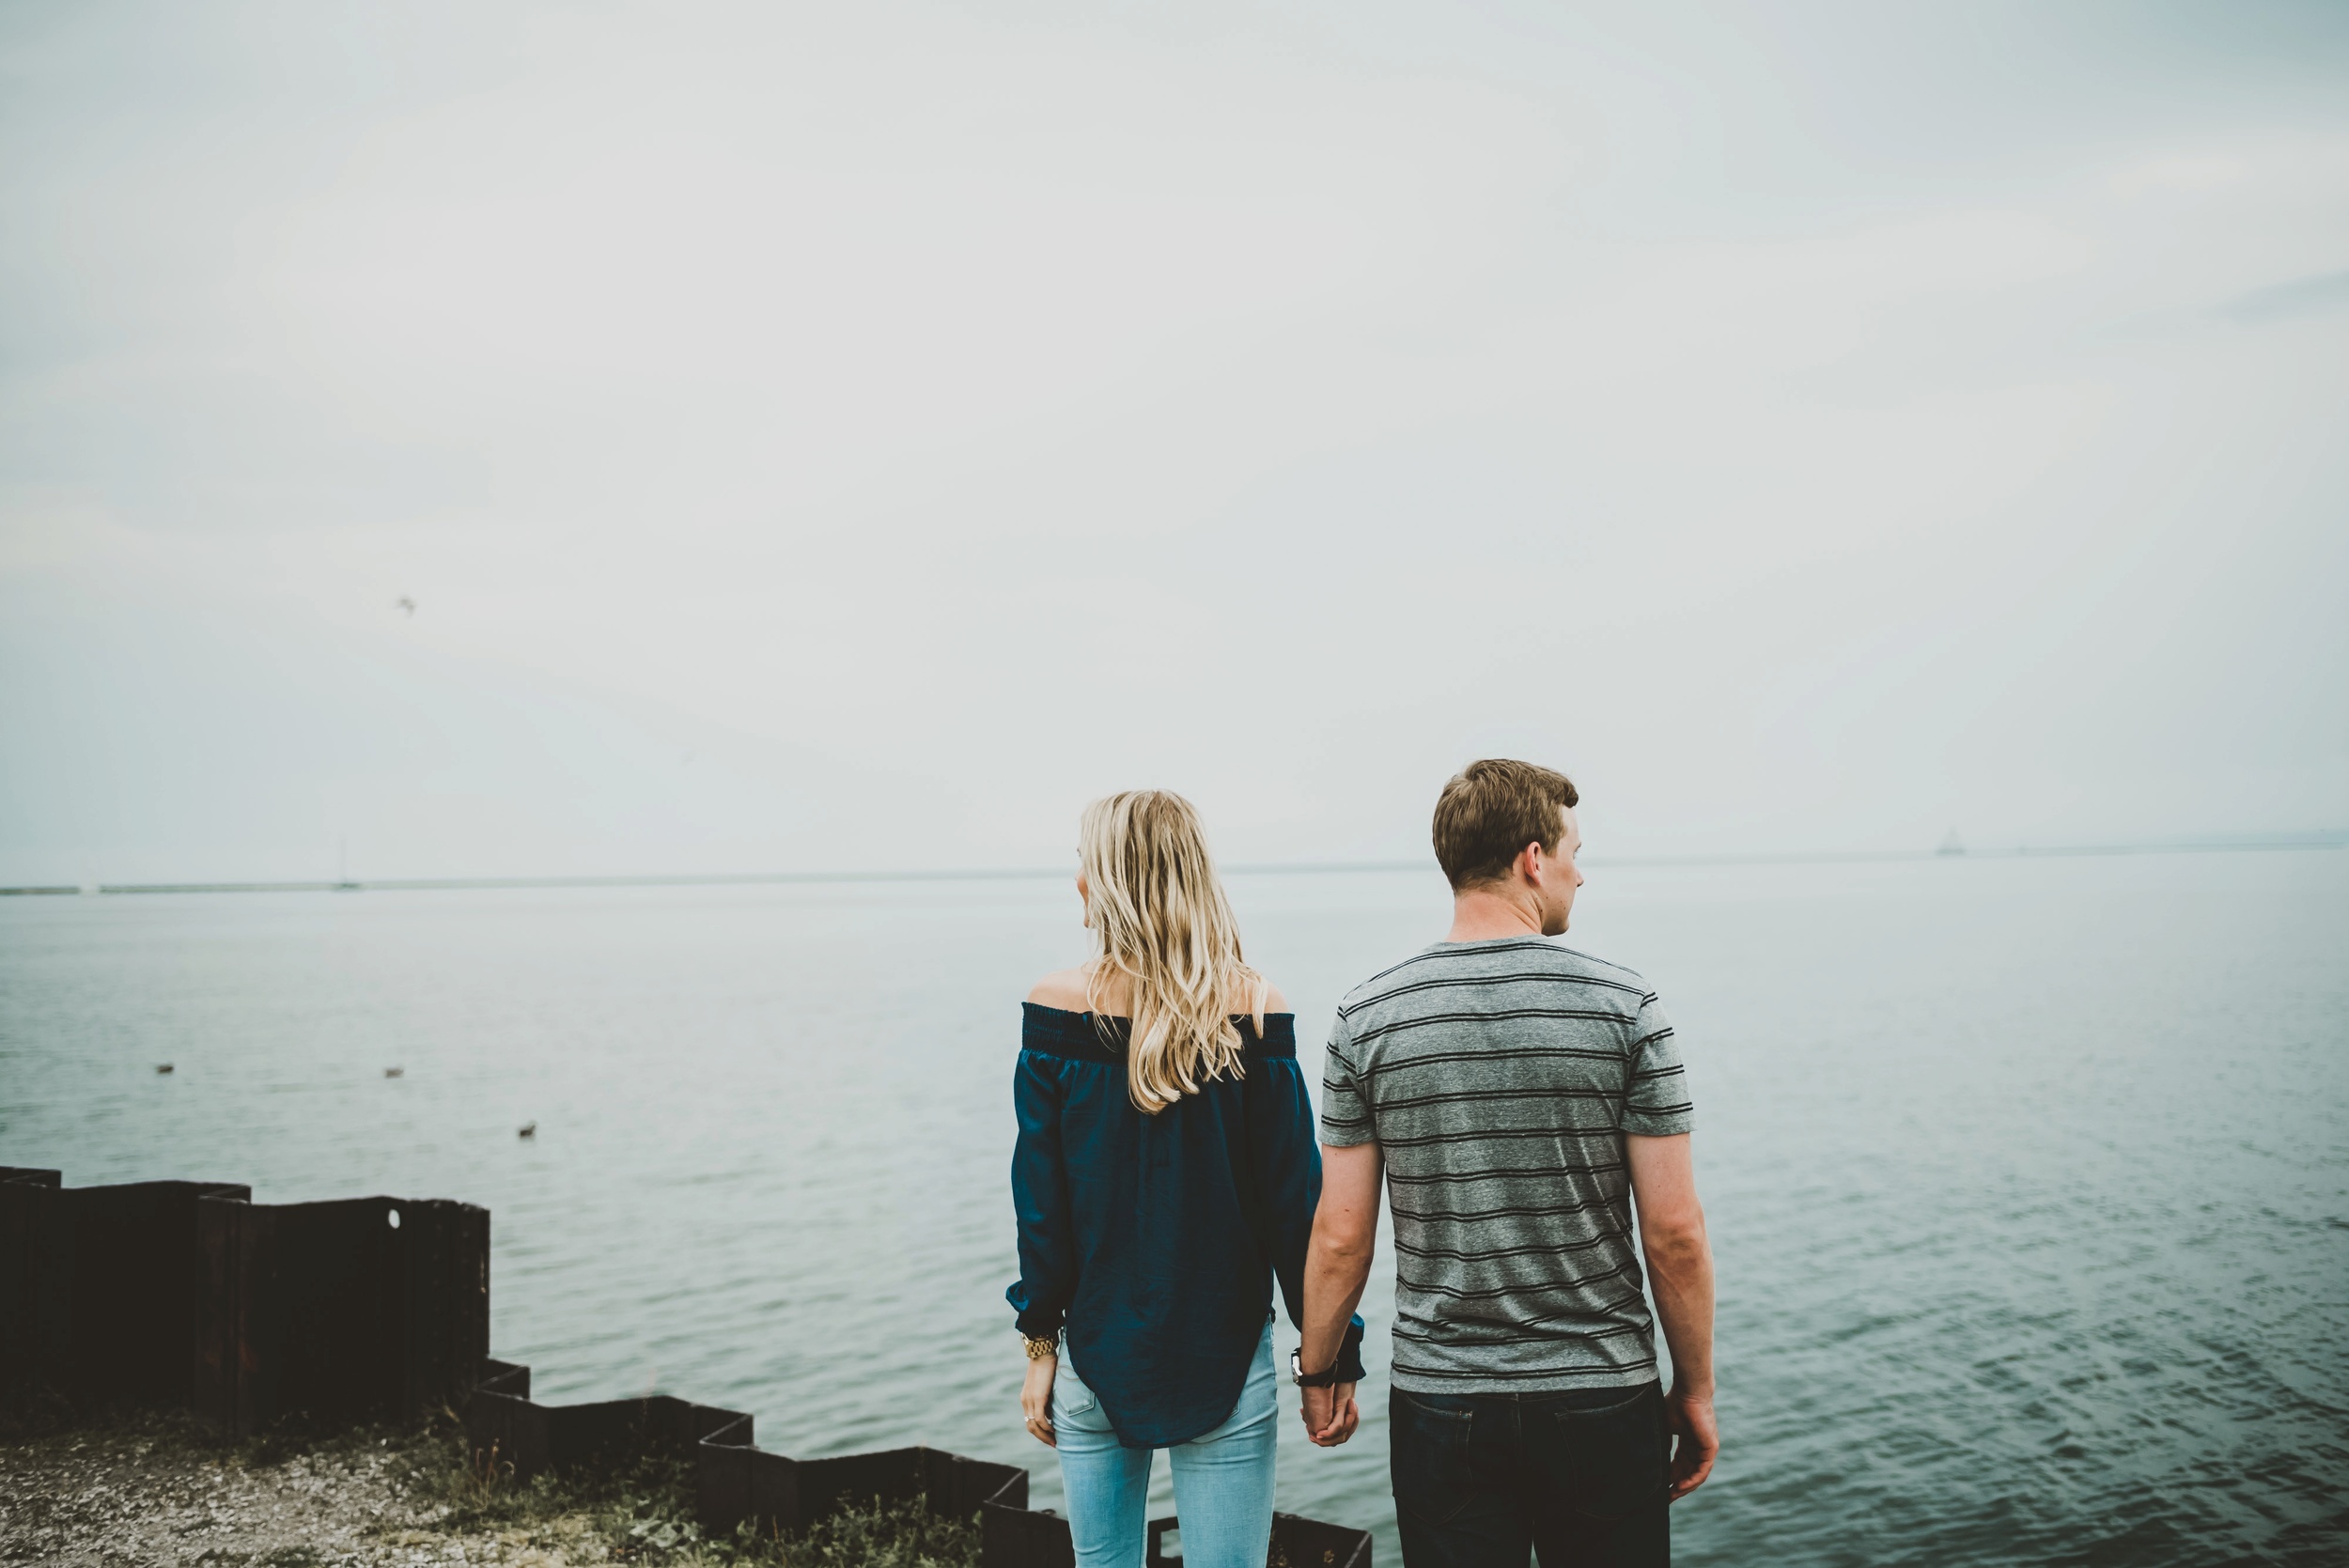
(189, 1294)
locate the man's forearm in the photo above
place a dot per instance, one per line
(1335, 1278)
(1680, 1271)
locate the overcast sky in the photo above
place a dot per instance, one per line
(816, 437)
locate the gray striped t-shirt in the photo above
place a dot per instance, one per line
(1497, 1079)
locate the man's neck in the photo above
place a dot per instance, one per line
(1483, 914)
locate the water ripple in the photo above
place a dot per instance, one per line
(2027, 1179)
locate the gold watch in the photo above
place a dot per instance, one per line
(1039, 1349)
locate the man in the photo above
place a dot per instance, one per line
(1518, 1097)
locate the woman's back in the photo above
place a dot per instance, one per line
(1156, 1238)
(1165, 1173)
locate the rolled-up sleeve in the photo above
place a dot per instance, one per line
(1040, 1194)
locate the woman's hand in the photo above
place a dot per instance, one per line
(1036, 1399)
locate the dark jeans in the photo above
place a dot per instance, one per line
(1578, 1476)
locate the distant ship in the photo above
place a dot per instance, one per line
(1952, 845)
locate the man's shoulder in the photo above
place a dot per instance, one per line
(1604, 972)
(1449, 967)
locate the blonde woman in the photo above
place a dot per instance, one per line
(1166, 1173)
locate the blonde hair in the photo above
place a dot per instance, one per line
(1159, 919)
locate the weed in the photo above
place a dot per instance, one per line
(906, 1535)
(643, 1512)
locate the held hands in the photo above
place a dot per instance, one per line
(1036, 1399)
(1330, 1414)
(1691, 1418)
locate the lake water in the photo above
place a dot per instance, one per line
(2027, 1177)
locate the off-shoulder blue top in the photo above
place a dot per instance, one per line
(1156, 1239)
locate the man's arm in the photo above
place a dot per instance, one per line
(1337, 1267)
(1680, 1271)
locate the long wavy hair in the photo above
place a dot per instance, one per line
(1160, 918)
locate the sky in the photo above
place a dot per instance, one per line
(508, 438)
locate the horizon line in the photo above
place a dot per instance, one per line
(2327, 839)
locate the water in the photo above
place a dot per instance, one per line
(2026, 1177)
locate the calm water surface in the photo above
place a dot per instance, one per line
(2027, 1178)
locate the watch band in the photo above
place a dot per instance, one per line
(1304, 1379)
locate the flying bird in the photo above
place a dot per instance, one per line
(404, 602)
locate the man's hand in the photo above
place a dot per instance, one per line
(1036, 1400)
(1330, 1414)
(1691, 1421)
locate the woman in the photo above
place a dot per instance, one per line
(1166, 1171)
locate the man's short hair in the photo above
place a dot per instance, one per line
(1490, 810)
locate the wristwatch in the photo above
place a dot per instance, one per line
(1039, 1349)
(1304, 1379)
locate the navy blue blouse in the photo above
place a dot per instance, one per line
(1156, 1239)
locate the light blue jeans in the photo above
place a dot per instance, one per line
(1222, 1480)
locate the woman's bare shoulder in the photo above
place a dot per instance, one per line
(1273, 1001)
(1067, 989)
(1062, 989)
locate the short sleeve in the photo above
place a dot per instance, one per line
(1656, 1101)
(1344, 1112)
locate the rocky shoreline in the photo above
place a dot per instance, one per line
(159, 1492)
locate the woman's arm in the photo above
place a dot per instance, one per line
(1047, 1255)
(1288, 1175)
(1039, 1195)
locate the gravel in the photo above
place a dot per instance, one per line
(170, 1497)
